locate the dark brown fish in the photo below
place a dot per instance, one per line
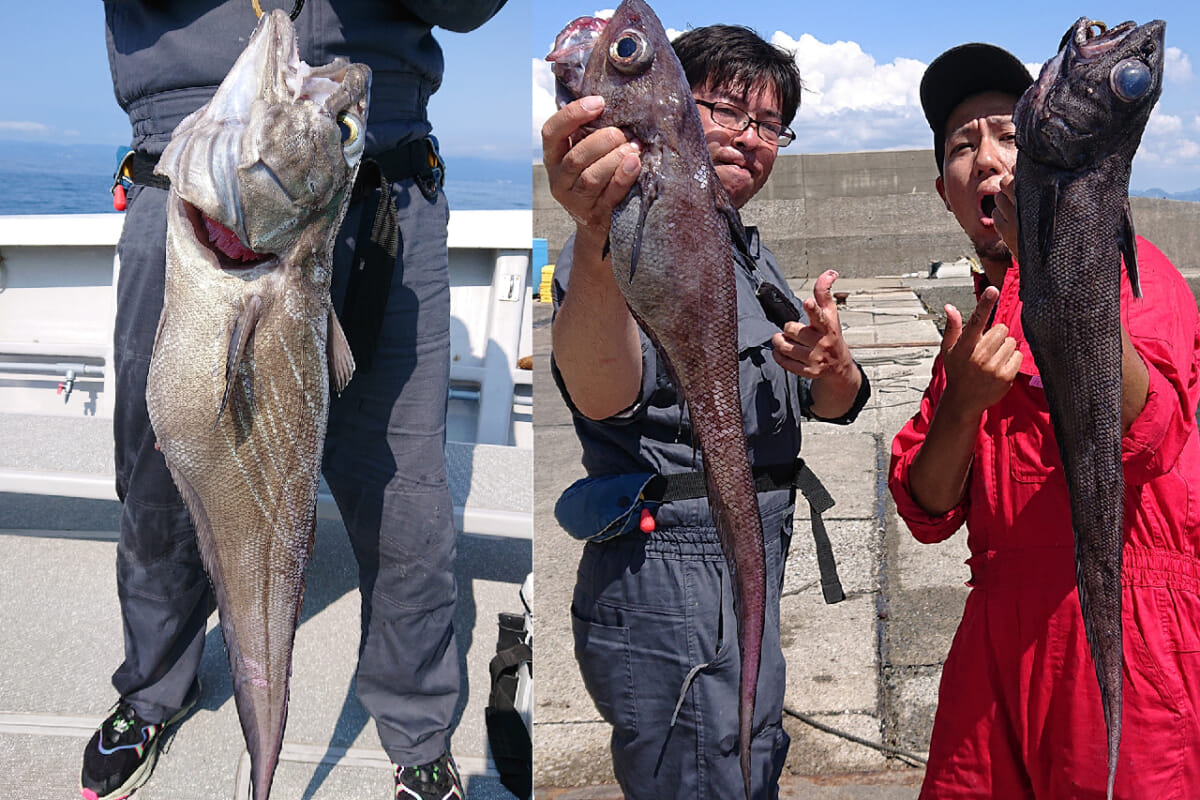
(1078, 128)
(672, 244)
(239, 386)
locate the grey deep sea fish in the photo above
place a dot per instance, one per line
(672, 249)
(248, 345)
(1078, 128)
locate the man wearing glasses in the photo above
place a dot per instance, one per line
(655, 634)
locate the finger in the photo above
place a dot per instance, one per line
(1004, 217)
(788, 347)
(973, 330)
(954, 327)
(796, 366)
(557, 130)
(1013, 366)
(624, 176)
(995, 351)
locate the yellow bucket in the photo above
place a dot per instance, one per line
(544, 289)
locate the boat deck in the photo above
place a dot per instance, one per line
(60, 626)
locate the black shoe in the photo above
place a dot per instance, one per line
(121, 753)
(437, 780)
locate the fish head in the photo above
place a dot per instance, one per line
(645, 90)
(1094, 97)
(572, 49)
(267, 164)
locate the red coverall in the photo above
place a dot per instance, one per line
(1019, 712)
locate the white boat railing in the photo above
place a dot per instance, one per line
(57, 301)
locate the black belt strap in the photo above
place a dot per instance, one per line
(689, 485)
(141, 170)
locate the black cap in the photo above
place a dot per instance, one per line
(961, 72)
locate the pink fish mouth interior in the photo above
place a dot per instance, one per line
(223, 243)
(227, 242)
(227, 250)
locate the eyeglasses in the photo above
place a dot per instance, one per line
(734, 119)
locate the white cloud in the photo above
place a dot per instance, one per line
(23, 127)
(543, 102)
(1177, 66)
(840, 76)
(1161, 124)
(1166, 144)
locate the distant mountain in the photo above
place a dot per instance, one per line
(76, 178)
(1192, 196)
(58, 159)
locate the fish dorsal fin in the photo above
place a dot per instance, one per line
(341, 360)
(1128, 245)
(243, 328)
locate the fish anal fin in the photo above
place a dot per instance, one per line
(243, 329)
(341, 360)
(1128, 245)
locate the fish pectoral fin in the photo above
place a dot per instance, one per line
(243, 328)
(1128, 246)
(341, 360)
(1049, 207)
(648, 194)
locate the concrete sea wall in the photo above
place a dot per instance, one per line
(874, 214)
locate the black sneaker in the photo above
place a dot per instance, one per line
(121, 753)
(437, 780)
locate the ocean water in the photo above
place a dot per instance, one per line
(38, 178)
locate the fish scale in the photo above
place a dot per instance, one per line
(1078, 127)
(248, 348)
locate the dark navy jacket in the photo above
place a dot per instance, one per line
(168, 56)
(655, 435)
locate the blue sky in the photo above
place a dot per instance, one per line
(863, 62)
(58, 87)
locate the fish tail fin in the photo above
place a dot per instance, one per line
(243, 327)
(1128, 246)
(1100, 607)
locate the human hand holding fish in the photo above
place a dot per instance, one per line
(1004, 215)
(589, 172)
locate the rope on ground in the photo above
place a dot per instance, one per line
(894, 752)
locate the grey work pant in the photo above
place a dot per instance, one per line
(648, 612)
(384, 462)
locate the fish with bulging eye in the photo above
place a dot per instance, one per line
(248, 347)
(1078, 127)
(673, 243)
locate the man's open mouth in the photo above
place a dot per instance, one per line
(987, 206)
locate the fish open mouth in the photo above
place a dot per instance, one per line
(224, 245)
(1093, 38)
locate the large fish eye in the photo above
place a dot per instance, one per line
(353, 140)
(631, 51)
(1130, 80)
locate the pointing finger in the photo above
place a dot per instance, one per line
(983, 311)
